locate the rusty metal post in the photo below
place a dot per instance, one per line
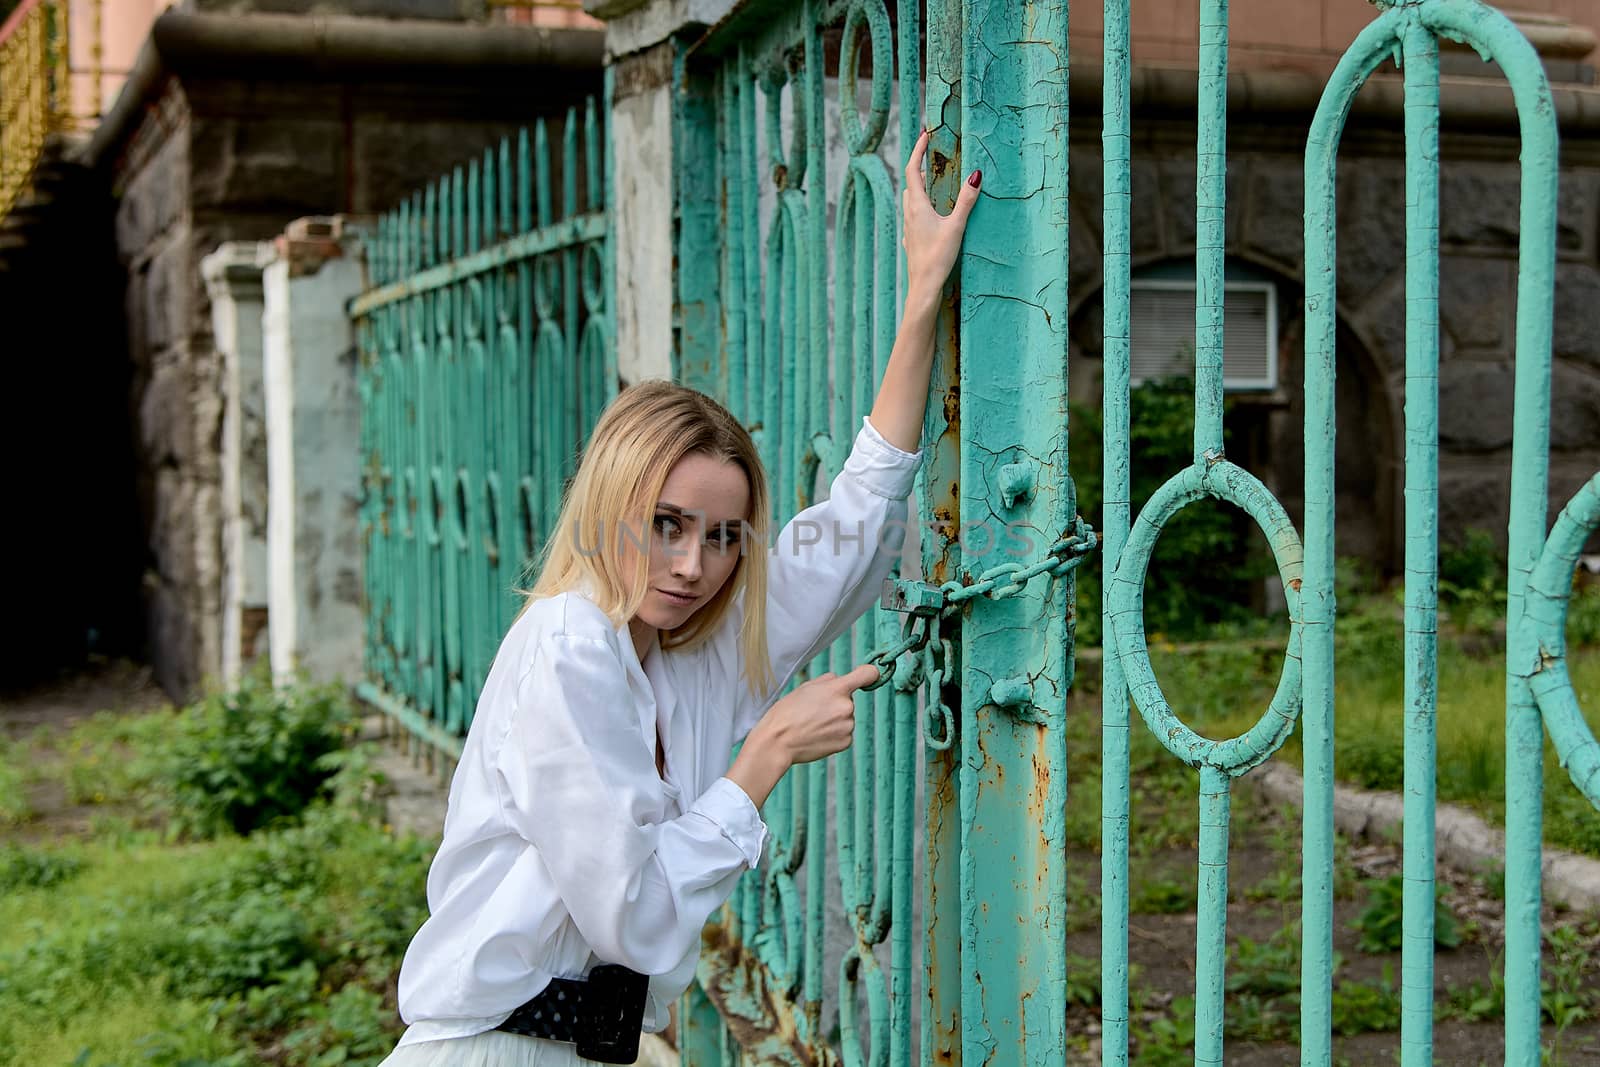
(1017, 654)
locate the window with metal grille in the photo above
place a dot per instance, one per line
(1161, 314)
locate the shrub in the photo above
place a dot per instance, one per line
(22, 868)
(1203, 558)
(1472, 580)
(242, 760)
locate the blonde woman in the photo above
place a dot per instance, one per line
(594, 821)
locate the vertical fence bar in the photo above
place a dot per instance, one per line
(941, 560)
(1211, 914)
(1115, 782)
(904, 732)
(1316, 594)
(1012, 739)
(1211, 192)
(1421, 53)
(1530, 466)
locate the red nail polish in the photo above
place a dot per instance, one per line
(975, 179)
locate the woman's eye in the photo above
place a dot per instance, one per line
(668, 526)
(724, 536)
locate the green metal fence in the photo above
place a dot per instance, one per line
(486, 354)
(798, 360)
(763, 328)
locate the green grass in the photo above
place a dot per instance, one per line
(129, 944)
(214, 947)
(1222, 691)
(14, 807)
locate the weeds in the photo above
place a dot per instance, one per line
(1381, 924)
(1365, 1007)
(218, 951)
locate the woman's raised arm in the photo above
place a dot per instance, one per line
(830, 560)
(932, 241)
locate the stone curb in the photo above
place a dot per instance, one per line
(1464, 841)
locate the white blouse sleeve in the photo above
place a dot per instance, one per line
(828, 565)
(579, 783)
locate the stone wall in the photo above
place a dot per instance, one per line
(216, 159)
(1478, 246)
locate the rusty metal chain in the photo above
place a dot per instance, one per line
(925, 656)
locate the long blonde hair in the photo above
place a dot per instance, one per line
(641, 435)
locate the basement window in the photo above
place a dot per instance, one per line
(1161, 313)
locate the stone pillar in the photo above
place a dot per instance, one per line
(642, 40)
(313, 452)
(233, 282)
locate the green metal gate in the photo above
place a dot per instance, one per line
(485, 357)
(754, 288)
(486, 353)
(778, 314)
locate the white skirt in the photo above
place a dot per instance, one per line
(492, 1048)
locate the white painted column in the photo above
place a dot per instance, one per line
(313, 452)
(233, 282)
(641, 36)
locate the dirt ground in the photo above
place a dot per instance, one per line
(115, 685)
(1156, 941)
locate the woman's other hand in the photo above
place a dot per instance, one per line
(932, 241)
(816, 720)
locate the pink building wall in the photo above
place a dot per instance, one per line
(1303, 35)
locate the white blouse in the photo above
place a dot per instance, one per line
(563, 847)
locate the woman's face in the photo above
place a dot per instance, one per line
(695, 538)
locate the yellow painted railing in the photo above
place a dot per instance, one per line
(51, 66)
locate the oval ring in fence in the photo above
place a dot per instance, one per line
(508, 296)
(861, 138)
(593, 276)
(434, 515)
(441, 313)
(1223, 481)
(388, 321)
(1549, 595)
(812, 459)
(387, 500)
(408, 509)
(491, 514)
(546, 284)
(456, 710)
(416, 324)
(472, 315)
(593, 344)
(463, 508)
(782, 940)
(527, 516)
(850, 968)
(788, 171)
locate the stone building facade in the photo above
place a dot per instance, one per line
(235, 120)
(1479, 201)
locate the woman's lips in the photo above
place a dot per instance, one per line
(681, 599)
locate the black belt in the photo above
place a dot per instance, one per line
(602, 1014)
